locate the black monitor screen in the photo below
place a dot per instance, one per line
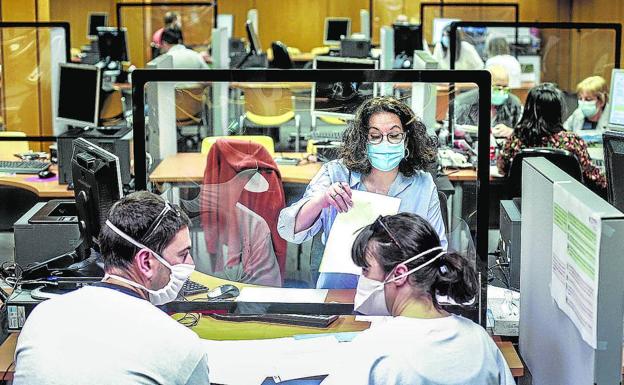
(407, 39)
(97, 186)
(96, 20)
(613, 142)
(254, 41)
(335, 28)
(112, 44)
(79, 92)
(342, 97)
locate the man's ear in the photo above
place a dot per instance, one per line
(144, 263)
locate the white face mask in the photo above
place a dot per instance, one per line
(179, 273)
(370, 298)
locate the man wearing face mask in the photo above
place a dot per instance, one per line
(505, 109)
(385, 150)
(593, 107)
(111, 332)
(404, 270)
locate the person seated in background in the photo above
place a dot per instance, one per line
(385, 150)
(541, 126)
(466, 55)
(171, 20)
(112, 332)
(404, 269)
(497, 50)
(505, 110)
(593, 108)
(183, 57)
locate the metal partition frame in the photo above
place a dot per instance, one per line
(482, 79)
(212, 3)
(617, 28)
(44, 24)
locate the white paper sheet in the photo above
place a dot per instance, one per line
(283, 295)
(250, 362)
(575, 261)
(366, 208)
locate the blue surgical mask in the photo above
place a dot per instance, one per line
(499, 97)
(385, 156)
(446, 41)
(588, 107)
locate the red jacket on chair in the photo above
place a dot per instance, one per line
(226, 203)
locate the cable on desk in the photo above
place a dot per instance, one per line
(6, 371)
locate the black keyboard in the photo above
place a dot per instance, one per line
(191, 288)
(23, 166)
(316, 321)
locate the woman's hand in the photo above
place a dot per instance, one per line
(338, 195)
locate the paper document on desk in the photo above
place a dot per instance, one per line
(366, 208)
(575, 261)
(282, 295)
(251, 361)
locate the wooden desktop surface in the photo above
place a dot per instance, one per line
(41, 187)
(190, 166)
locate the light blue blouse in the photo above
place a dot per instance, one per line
(418, 195)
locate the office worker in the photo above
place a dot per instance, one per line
(111, 332)
(466, 55)
(541, 126)
(182, 57)
(505, 110)
(497, 50)
(171, 20)
(593, 108)
(404, 269)
(384, 150)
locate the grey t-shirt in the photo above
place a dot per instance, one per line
(97, 335)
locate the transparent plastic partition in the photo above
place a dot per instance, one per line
(241, 191)
(29, 78)
(144, 19)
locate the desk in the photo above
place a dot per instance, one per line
(190, 166)
(43, 189)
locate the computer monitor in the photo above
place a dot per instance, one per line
(438, 26)
(616, 115)
(613, 144)
(252, 36)
(335, 27)
(341, 99)
(112, 44)
(79, 94)
(96, 20)
(97, 186)
(407, 39)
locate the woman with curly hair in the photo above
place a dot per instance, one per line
(385, 150)
(541, 126)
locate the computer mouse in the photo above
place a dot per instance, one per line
(45, 174)
(223, 292)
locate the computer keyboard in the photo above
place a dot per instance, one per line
(23, 166)
(191, 288)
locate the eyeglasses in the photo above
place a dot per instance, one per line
(168, 207)
(379, 221)
(375, 136)
(501, 89)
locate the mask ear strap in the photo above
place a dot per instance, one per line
(417, 267)
(125, 236)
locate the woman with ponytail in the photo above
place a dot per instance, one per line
(404, 269)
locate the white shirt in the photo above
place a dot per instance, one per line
(186, 58)
(469, 58)
(97, 335)
(511, 64)
(442, 351)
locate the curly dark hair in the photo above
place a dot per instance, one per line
(421, 147)
(542, 116)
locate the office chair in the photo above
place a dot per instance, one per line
(263, 140)
(563, 159)
(190, 112)
(281, 58)
(111, 110)
(268, 108)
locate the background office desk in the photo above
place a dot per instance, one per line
(190, 166)
(41, 187)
